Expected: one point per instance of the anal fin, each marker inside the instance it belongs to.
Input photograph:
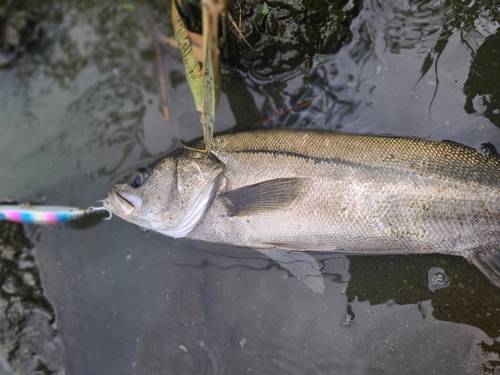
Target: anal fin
(301, 265)
(488, 262)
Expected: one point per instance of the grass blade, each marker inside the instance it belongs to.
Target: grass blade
(193, 72)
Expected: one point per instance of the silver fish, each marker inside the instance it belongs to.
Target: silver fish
(285, 192)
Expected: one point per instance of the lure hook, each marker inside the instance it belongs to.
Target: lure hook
(94, 209)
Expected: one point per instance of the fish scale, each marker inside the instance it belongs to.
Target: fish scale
(349, 165)
(446, 160)
(353, 194)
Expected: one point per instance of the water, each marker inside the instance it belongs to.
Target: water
(81, 109)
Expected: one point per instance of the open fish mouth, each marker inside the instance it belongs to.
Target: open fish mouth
(123, 204)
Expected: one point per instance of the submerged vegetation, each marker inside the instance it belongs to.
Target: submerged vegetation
(278, 37)
(281, 34)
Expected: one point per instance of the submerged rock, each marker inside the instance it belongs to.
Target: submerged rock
(29, 343)
(17, 25)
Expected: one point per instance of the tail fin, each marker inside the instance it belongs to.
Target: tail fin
(488, 262)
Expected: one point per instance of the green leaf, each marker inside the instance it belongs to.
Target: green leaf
(243, 341)
(265, 9)
(208, 111)
(183, 348)
(193, 71)
(128, 6)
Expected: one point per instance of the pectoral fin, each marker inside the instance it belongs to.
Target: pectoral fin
(301, 265)
(263, 196)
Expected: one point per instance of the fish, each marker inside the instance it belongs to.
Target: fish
(287, 193)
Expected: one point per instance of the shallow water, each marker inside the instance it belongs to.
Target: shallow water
(80, 110)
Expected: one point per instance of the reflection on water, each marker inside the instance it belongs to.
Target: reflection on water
(482, 88)
(427, 26)
(108, 36)
(82, 106)
(95, 64)
(469, 297)
(108, 113)
(334, 93)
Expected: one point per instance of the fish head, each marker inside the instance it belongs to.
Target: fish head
(171, 196)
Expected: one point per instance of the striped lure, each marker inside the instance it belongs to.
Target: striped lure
(28, 214)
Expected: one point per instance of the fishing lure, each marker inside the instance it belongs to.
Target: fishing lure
(28, 214)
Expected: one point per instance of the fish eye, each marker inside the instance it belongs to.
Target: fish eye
(139, 177)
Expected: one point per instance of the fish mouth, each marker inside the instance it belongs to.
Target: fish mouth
(122, 203)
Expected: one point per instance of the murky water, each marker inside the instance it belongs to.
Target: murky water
(80, 110)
